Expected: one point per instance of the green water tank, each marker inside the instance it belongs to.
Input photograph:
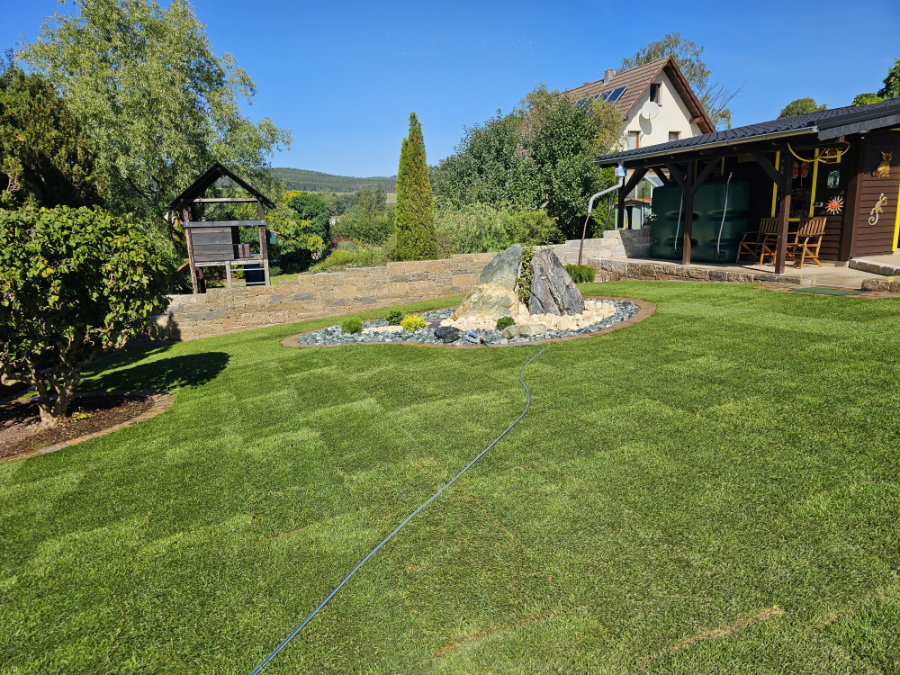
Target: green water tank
(666, 205)
(720, 220)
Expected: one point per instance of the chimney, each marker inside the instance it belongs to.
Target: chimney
(608, 75)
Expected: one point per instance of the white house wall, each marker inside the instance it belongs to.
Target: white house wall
(673, 116)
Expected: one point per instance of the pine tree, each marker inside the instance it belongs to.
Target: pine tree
(414, 214)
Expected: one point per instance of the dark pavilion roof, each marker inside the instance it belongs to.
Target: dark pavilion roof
(825, 125)
(210, 176)
(637, 81)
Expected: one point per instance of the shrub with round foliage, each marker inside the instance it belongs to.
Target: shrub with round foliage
(505, 322)
(413, 322)
(351, 326)
(394, 317)
(73, 283)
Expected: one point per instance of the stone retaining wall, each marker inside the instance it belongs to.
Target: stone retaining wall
(314, 296)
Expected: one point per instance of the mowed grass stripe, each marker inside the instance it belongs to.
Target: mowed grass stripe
(732, 453)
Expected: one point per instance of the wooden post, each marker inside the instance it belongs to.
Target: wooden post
(263, 241)
(228, 272)
(190, 248)
(784, 216)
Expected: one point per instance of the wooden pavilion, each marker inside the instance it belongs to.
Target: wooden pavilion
(216, 243)
(842, 165)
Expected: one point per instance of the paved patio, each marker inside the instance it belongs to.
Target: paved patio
(829, 275)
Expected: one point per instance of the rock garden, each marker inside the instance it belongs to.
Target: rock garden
(522, 295)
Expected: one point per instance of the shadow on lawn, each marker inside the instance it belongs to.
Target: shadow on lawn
(167, 374)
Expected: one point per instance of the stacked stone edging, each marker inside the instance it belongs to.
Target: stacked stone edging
(314, 296)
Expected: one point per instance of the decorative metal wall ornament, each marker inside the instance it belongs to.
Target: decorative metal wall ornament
(828, 155)
(883, 170)
(878, 209)
(835, 206)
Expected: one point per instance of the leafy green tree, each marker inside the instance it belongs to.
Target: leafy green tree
(414, 214)
(866, 99)
(801, 106)
(158, 104)
(369, 221)
(73, 282)
(891, 88)
(312, 207)
(714, 97)
(540, 156)
(44, 157)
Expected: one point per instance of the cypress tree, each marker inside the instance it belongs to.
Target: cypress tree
(414, 213)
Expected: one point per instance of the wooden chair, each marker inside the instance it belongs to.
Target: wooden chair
(754, 243)
(807, 241)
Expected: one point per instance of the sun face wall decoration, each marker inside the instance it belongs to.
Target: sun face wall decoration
(835, 206)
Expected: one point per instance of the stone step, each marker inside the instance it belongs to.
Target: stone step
(888, 266)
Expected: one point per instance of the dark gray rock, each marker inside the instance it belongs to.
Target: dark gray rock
(447, 333)
(503, 270)
(552, 289)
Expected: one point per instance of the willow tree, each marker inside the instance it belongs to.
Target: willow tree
(158, 105)
(414, 213)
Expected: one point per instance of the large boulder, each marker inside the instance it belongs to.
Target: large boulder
(552, 289)
(495, 294)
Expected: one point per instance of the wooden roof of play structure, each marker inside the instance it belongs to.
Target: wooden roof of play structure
(216, 243)
(194, 192)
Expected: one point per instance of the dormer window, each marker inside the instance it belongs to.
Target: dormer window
(654, 92)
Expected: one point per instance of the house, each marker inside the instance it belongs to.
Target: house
(656, 102)
(841, 166)
(657, 106)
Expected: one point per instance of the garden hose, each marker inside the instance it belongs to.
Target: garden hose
(412, 515)
(724, 213)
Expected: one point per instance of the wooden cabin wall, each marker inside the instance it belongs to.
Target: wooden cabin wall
(875, 239)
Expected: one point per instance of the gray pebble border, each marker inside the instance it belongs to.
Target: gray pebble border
(334, 335)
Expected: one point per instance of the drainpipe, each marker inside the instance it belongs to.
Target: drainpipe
(620, 175)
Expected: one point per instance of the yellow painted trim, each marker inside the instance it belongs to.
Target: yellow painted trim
(897, 220)
(775, 183)
(812, 194)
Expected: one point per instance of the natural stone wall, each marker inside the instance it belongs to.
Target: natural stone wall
(313, 296)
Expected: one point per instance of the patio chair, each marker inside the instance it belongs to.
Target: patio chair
(807, 241)
(754, 243)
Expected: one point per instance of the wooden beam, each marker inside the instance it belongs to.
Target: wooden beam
(190, 250)
(225, 223)
(263, 240)
(768, 167)
(636, 177)
(658, 171)
(223, 200)
(704, 174)
(677, 176)
(784, 217)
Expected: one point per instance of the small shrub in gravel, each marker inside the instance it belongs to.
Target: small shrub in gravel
(394, 317)
(352, 326)
(581, 274)
(505, 322)
(413, 322)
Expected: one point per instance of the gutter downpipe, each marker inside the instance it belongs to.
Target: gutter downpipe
(620, 174)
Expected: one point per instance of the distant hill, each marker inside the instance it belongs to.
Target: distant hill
(311, 181)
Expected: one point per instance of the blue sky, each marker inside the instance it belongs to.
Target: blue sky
(344, 76)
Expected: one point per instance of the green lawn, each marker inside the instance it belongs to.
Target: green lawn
(715, 488)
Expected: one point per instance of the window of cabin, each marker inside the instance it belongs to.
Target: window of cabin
(633, 137)
(674, 135)
(654, 92)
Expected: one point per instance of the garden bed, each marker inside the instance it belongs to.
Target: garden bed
(20, 424)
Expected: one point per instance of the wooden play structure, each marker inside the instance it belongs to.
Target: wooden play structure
(216, 243)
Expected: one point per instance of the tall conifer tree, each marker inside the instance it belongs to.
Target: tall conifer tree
(414, 214)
